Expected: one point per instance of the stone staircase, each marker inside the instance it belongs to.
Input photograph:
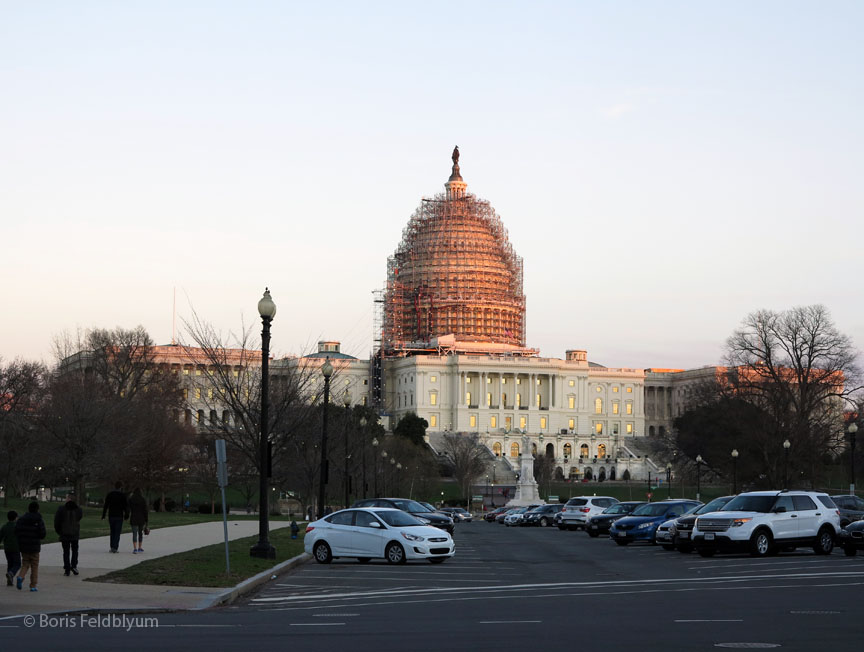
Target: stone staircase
(499, 469)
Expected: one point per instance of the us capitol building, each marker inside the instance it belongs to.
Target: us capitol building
(450, 347)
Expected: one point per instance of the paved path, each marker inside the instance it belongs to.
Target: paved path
(59, 593)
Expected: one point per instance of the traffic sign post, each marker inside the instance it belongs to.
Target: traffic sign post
(222, 479)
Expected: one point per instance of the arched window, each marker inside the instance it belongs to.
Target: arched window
(514, 449)
(650, 431)
(496, 448)
(588, 474)
(550, 450)
(583, 450)
(598, 406)
(568, 450)
(612, 473)
(601, 477)
(574, 473)
(534, 449)
(601, 451)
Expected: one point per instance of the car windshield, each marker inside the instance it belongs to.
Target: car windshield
(651, 509)
(714, 506)
(410, 506)
(620, 508)
(429, 507)
(750, 504)
(398, 519)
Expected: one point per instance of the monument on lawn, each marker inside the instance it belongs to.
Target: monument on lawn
(526, 485)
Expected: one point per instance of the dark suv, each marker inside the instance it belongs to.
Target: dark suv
(412, 507)
(851, 508)
(683, 528)
(542, 515)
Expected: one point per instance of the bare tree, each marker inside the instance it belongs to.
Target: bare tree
(21, 385)
(466, 457)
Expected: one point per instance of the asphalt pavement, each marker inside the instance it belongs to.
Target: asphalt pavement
(517, 589)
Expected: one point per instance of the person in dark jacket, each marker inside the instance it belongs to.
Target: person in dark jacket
(67, 525)
(10, 547)
(30, 530)
(117, 507)
(138, 520)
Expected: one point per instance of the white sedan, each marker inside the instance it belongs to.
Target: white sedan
(376, 532)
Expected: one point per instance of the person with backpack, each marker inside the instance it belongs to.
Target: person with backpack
(30, 530)
(67, 525)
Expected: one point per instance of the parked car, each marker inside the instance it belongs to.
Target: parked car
(515, 516)
(760, 522)
(372, 533)
(851, 538)
(579, 509)
(414, 508)
(542, 515)
(500, 518)
(493, 514)
(682, 530)
(458, 514)
(851, 508)
(601, 523)
(665, 535)
(642, 524)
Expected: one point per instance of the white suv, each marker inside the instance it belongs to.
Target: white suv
(760, 522)
(578, 510)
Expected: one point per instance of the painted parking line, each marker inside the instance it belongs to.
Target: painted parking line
(506, 622)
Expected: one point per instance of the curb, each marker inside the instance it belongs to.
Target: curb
(230, 595)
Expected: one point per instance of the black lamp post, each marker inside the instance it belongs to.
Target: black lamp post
(375, 462)
(669, 478)
(384, 472)
(734, 470)
(347, 403)
(263, 549)
(786, 446)
(363, 451)
(853, 428)
(698, 476)
(326, 371)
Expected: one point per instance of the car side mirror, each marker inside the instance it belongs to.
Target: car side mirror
(779, 510)
(375, 524)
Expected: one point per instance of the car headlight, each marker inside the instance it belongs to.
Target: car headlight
(738, 522)
(644, 526)
(424, 520)
(412, 537)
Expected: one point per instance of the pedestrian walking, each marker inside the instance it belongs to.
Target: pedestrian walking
(117, 507)
(10, 546)
(138, 520)
(30, 530)
(67, 525)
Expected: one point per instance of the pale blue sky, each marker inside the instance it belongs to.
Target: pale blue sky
(664, 168)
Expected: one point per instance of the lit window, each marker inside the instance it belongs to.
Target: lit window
(197, 372)
(185, 393)
(598, 428)
(185, 372)
(614, 407)
(433, 379)
(197, 392)
(489, 398)
(518, 381)
(523, 423)
(615, 389)
(364, 401)
(543, 423)
(488, 380)
(236, 374)
(472, 421)
(518, 399)
(514, 449)
(538, 382)
(597, 389)
(571, 424)
(209, 393)
(629, 390)
(503, 381)
(571, 402)
(572, 383)
(433, 420)
(629, 407)
(598, 406)
(468, 398)
(493, 422)
(468, 380)
(433, 398)
(629, 428)
(538, 400)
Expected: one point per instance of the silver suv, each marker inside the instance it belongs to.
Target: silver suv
(760, 522)
(577, 511)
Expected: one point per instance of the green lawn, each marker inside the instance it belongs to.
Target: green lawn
(92, 524)
(206, 566)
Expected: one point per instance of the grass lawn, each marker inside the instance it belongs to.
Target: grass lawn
(92, 524)
(206, 566)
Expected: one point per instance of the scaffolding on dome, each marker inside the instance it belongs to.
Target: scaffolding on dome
(454, 278)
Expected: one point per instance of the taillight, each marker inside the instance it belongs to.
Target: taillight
(585, 509)
(309, 528)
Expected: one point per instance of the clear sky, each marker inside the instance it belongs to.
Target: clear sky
(663, 168)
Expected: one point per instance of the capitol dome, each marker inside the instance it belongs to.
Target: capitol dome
(454, 275)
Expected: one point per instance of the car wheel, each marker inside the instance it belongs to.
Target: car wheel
(322, 553)
(824, 542)
(761, 544)
(544, 522)
(363, 560)
(850, 551)
(437, 560)
(668, 546)
(395, 553)
(593, 534)
(707, 552)
(621, 542)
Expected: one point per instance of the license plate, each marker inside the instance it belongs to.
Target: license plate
(709, 536)
(683, 535)
(592, 527)
(622, 534)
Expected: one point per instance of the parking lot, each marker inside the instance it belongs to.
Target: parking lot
(518, 584)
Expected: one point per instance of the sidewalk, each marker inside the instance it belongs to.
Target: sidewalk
(60, 593)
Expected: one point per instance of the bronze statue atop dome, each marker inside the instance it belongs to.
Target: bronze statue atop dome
(456, 155)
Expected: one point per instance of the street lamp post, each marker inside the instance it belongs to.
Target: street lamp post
(786, 446)
(347, 403)
(734, 470)
(263, 549)
(853, 428)
(326, 371)
(384, 472)
(375, 460)
(698, 476)
(363, 452)
(669, 478)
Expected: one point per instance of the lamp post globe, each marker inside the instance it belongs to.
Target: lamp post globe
(263, 549)
(734, 470)
(326, 371)
(852, 430)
